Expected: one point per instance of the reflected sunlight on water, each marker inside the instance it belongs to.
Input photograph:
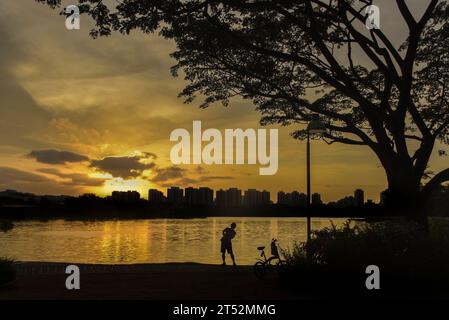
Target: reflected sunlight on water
(150, 240)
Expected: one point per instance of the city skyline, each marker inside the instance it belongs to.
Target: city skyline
(272, 197)
(237, 197)
(231, 197)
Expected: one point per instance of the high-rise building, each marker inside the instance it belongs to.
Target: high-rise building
(264, 197)
(205, 196)
(175, 195)
(254, 198)
(155, 196)
(292, 199)
(250, 198)
(282, 198)
(359, 198)
(316, 199)
(288, 199)
(234, 197)
(229, 198)
(220, 198)
(191, 196)
(302, 199)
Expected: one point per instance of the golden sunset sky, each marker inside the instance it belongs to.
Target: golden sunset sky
(81, 115)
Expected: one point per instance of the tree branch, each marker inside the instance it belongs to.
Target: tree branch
(436, 181)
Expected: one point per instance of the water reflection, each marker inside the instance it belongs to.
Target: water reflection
(149, 241)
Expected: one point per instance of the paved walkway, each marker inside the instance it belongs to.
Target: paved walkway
(143, 281)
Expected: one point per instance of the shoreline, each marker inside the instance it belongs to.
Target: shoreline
(185, 212)
(182, 217)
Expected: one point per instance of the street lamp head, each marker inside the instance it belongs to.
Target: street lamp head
(316, 126)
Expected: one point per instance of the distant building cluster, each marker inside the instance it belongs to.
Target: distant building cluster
(254, 198)
(155, 196)
(229, 198)
(316, 199)
(234, 197)
(292, 199)
(204, 196)
(355, 201)
(201, 197)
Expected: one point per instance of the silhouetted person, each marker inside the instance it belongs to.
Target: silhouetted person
(274, 249)
(226, 243)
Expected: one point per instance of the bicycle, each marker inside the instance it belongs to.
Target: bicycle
(266, 265)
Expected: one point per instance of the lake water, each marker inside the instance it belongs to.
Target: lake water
(149, 241)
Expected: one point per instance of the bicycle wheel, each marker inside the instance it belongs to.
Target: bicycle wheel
(259, 269)
(280, 265)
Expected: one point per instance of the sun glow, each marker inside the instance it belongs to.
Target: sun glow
(120, 184)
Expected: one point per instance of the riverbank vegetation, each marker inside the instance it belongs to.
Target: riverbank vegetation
(412, 262)
(7, 270)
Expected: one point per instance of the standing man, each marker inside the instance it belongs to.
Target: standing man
(226, 243)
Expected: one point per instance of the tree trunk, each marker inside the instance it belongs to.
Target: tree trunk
(404, 197)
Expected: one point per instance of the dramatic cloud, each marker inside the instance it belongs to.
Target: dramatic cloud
(174, 175)
(21, 117)
(124, 167)
(10, 176)
(56, 156)
(169, 173)
(74, 179)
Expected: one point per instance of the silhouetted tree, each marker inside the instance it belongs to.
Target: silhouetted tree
(297, 59)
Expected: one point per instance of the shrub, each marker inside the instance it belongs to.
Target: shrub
(410, 260)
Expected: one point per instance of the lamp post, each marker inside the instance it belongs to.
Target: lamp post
(315, 126)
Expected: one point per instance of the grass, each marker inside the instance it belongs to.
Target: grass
(411, 261)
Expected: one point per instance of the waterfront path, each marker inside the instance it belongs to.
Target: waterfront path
(38, 280)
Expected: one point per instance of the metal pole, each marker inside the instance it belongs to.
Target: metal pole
(308, 197)
(308, 186)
